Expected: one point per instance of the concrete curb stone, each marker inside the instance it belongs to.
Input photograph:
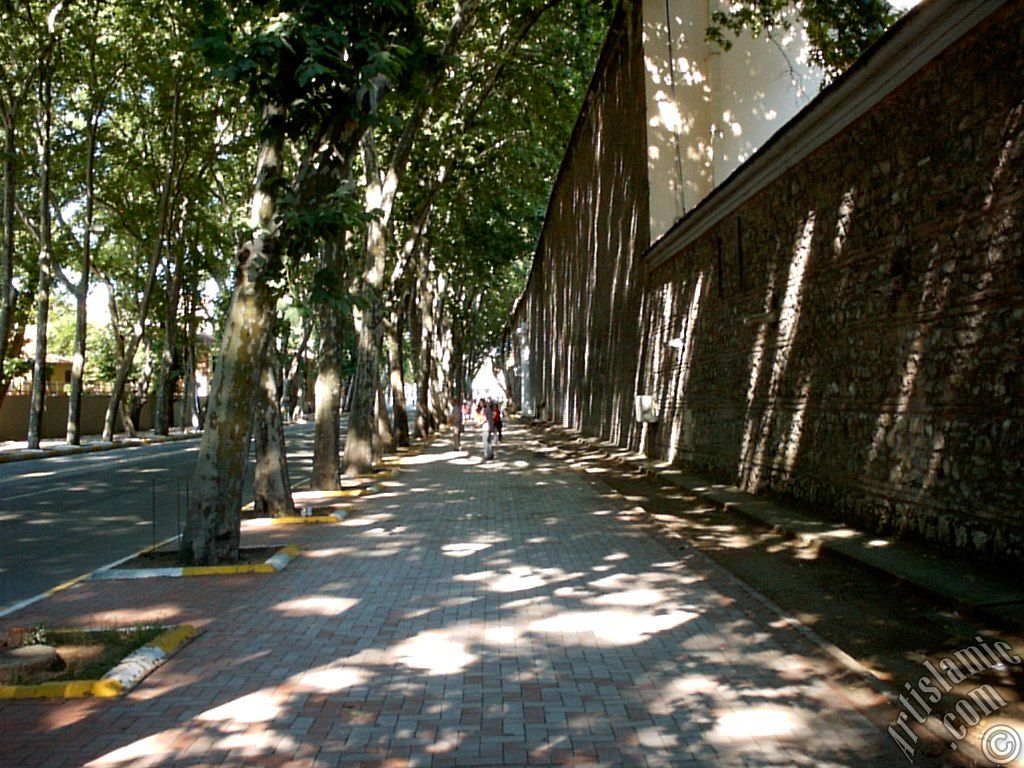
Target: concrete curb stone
(28, 454)
(274, 564)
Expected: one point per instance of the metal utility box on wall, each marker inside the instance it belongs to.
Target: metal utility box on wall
(646, 409)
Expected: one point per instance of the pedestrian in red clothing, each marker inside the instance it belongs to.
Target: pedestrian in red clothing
(497, 419)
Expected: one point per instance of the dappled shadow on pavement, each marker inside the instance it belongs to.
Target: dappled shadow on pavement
(890, 626)
(499, 613)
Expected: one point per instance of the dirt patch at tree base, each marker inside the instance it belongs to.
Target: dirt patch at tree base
(79, 654)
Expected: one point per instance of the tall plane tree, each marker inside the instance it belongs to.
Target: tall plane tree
(309, 69)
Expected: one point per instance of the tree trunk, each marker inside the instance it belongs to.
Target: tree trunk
(125, 364)
(126, 418)
(442, 355)
(115, 327)
(458, 375)
(73, 435)
(293, 390)
(380, 194)
(400, 417)
(510, 373)
(387, 436)
(298, 395)
(416, 357)
(362, 427)
(213, 525)
(165, 383)
(125, 360)
(438, 400)
(284, 373)
(212, 529)
(327, 390)
(272, 487)
(327, 414)
(7, 291)
(425, 308)
(424, 421)
(74, 426)
(188, 388)
(38, 398)
(35, 413)
(189, 402)
(298, 375)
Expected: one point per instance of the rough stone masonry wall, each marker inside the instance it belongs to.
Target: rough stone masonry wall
(581, 307)
(852, 336)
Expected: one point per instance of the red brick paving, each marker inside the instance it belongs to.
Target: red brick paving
(511, 613)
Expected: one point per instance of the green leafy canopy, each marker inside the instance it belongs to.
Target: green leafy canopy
(839, 31)
(317, 60)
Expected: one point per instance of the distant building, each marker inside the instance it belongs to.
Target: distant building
(58, 369)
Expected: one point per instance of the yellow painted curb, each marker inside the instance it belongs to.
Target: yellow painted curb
(222, 570)
(289, 551)
(68, 689)
(325, 495)
(351, 492)
(171, 640)
(276, 562)
(106, 688)
(298, 520)
(67, 584)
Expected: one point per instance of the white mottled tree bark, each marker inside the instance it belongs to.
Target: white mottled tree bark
(327, 388)
(387, 435)
(272, 487)
(212, 528)
(400, 417)
(362, 427)
(38, 399)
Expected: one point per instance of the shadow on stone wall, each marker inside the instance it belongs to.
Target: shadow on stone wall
(850, 336)
(581, 308)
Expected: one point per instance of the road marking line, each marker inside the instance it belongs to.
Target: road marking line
(79, 579)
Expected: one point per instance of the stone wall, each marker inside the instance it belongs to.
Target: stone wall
(850, 336)
(580, 309)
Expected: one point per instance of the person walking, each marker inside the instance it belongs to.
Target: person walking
(455, 422)
(497, 420)
(485, 415)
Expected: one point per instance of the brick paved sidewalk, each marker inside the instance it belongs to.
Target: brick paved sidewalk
(508, 613)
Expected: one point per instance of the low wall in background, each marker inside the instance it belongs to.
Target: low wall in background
(14, 416)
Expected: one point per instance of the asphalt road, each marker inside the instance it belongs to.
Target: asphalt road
(64, 516)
